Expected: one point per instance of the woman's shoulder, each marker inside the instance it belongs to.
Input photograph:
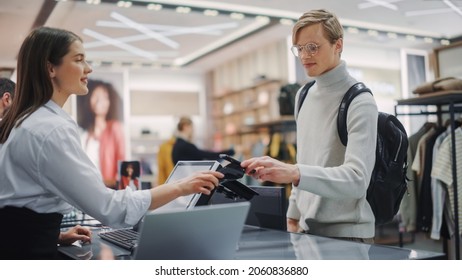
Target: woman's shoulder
(42, 121)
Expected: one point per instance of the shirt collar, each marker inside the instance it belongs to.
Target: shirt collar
(55, 108)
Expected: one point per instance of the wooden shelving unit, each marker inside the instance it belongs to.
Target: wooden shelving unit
(242, 117)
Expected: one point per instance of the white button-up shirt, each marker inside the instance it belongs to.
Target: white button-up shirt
(44, 168)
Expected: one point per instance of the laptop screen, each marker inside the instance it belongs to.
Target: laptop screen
(181, 170)
(201, 233)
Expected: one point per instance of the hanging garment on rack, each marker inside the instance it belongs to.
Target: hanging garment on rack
(419, 159)
(442, 226)
(425, 202)
(408, 208)
(439, 192)
(442, 168)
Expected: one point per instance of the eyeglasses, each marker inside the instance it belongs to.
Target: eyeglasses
(310, 48)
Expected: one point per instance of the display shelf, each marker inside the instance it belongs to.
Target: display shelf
(241, 115)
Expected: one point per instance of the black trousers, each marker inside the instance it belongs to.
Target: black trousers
(28, 235)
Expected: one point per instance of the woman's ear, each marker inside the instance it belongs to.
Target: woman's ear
(51, 70)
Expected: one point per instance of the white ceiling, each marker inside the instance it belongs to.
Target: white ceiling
(141, 37)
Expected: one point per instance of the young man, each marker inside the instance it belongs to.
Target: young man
(7, 87)
(329, 181)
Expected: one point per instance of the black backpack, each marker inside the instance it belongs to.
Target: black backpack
(388, 182)
(286, 99)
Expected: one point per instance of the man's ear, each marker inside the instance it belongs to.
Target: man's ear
(339, 45)
(7, 98)
(2, 100)
(51, 70)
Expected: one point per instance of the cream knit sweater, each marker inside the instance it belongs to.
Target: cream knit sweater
(330, 199)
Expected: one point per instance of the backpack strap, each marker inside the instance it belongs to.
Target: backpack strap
(303, 94)
(354, 91)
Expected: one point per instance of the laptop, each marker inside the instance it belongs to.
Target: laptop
(200, 233)
(181, 170)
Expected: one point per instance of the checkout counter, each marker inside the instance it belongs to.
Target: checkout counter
(264, 236)
(270, 244)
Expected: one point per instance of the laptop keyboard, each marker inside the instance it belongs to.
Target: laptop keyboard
(126, 238)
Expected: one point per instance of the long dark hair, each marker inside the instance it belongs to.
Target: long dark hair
(34, 87)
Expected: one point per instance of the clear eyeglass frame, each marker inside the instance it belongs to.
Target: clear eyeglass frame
(311, 49)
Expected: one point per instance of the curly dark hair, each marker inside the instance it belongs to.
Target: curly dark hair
(86, 116)
(134, 164)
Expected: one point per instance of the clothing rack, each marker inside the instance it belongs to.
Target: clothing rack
(439, 99)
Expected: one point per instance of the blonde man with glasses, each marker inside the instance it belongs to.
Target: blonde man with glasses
(329, 180)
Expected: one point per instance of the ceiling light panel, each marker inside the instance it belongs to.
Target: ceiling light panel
(134, 35)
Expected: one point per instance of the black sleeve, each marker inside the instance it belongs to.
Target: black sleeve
(183, 150)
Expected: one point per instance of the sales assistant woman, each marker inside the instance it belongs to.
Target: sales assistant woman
(43, 170)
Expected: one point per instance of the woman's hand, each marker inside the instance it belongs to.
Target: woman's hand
(200, 182)
(74, 234)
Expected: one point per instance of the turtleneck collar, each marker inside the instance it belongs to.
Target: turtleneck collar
(337, 76)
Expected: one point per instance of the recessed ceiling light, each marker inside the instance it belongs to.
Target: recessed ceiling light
(372, 32)
(95, 63)
(237, 15)
(262, 18)
(183, 10)
(155, 7)
(353, 30)
(428, 40)
(124, 4)
(286, 21)
(392, 35)
(211, 13)
(410, 37)
(445, 42)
